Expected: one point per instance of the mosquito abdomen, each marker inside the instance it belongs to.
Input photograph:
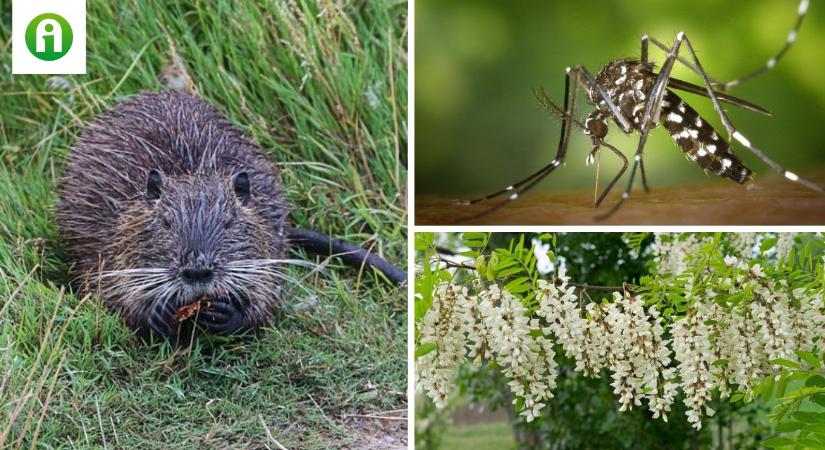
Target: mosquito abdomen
(700, 142)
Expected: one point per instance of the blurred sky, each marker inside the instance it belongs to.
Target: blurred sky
(478, 126)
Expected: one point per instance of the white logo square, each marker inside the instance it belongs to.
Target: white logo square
(48, 37)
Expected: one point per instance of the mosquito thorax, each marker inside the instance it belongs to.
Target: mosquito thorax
(627, 82)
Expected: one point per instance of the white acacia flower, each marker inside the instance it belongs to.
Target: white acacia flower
(445, 325)
(638, 356)
(692, 347)
(757, 271)
(528, 361)
(543, 263)
(784, 244)
(560, 308)
(673, 256)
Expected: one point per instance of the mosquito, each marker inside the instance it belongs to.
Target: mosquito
(633, 96)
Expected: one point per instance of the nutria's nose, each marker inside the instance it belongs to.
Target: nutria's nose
(193, 276)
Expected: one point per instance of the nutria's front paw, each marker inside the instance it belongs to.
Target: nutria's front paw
(162, 319)
(222, 317)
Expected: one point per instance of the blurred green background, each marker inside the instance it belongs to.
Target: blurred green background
(478, 126)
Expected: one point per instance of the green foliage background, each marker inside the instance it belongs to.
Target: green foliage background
(478, 126)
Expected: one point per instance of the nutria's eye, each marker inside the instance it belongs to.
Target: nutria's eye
(153, 185)
(241, 185)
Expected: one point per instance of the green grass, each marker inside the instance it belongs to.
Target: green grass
(322, 88)
(484, 436)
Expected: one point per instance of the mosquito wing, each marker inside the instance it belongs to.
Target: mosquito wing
(692, 88)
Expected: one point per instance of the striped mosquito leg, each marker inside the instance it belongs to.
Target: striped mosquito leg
(801, 10)
(734, 133)
(643, 59)
(644, 176)
(626, 194)
(515, 190)
(775, 166)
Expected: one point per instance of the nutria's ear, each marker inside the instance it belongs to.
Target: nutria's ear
(153, 185)
(241, 185)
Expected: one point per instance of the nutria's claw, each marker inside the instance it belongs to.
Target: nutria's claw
(222, 317)
(162, 319)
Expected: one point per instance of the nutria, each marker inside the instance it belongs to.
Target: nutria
(165, 204)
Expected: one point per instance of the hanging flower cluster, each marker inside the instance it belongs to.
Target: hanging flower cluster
(692, 346)
(723, 342)
(528, 361)
(637, 356)
(446, 326)
(491, 327)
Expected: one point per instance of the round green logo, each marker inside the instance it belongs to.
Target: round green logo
(49, 37)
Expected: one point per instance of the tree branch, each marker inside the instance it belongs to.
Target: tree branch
(454, 264)
(585, 286)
